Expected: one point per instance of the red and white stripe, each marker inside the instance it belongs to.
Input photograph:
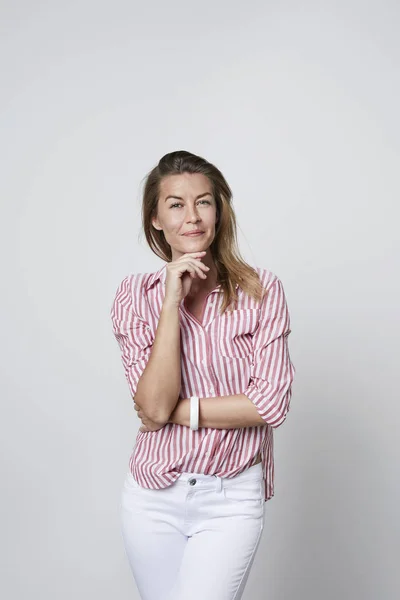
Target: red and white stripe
(240, 352)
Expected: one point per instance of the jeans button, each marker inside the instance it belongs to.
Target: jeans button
(192, 481)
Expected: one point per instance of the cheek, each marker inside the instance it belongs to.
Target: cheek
(211, 219)
(172, 223)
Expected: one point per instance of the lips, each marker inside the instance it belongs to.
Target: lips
(190, 233)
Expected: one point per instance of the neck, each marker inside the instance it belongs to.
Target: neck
(200, 286)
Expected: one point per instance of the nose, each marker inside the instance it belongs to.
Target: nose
(193, 216)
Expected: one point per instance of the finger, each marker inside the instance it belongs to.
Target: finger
(197, 263)
(200, 253)
(197, 268)
(190, 265)
(199, 272)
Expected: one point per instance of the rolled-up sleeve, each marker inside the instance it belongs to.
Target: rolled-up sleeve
(132, 333)
(272, 372)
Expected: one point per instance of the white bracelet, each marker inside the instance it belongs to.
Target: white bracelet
(194, 412)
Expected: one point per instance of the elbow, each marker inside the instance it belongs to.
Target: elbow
(153, 415)
(278, 417)
(145, 406)
(151, 408)
(275, 423)
(276, 412)
(161, 418)
(272, 403)
(158, 417)
(275, 420)
(153, 396)
(161, 412)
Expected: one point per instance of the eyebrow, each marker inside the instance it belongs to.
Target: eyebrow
(197, 197)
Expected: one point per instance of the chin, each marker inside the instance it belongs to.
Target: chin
(198, 240)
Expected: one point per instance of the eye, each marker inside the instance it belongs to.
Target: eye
(180, 204)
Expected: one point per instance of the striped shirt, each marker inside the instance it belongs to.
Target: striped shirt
(240, 352)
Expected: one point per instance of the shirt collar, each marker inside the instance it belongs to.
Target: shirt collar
(158, 275)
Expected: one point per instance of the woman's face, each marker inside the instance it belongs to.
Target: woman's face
(186, 203)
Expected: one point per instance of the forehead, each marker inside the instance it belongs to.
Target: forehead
(185, 184)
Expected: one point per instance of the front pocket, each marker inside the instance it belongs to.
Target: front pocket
(245, 491)
(236, 329)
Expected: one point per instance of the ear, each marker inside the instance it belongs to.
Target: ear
(156, 224)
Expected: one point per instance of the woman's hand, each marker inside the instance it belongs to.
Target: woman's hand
(147, 424)
(181, 273)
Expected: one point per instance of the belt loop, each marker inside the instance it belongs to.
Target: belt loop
(218, 484)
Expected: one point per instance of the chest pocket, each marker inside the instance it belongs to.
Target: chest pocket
(235, 332)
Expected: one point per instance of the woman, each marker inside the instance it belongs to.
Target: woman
(204, 344)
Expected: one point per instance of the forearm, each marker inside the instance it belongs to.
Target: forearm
(224, 412)
(159, 386)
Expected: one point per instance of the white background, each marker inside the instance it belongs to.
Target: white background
(298, 104)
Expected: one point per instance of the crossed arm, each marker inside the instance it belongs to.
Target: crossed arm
(221, 412)
(266, 399)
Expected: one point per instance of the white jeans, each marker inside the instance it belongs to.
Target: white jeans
(195, 539)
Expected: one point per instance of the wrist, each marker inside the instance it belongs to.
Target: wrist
(169, 306)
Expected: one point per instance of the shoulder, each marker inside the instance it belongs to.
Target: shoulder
(267, 277)
(134, 282)
(132, 290)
